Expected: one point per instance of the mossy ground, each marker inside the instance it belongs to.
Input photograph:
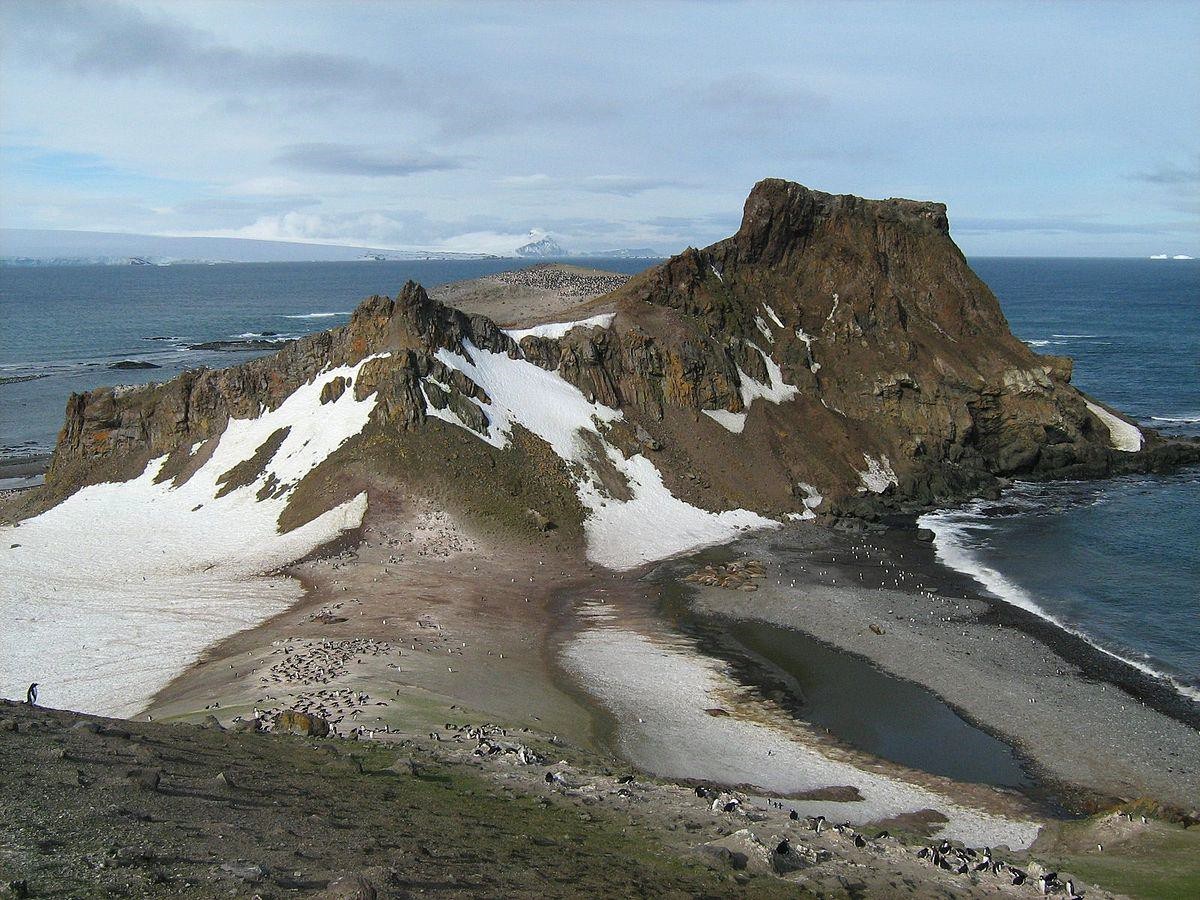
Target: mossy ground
(80, 821)
(1159, 860)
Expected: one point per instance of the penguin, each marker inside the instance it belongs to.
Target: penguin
(793, 815)
(31, 694)
(784, 846)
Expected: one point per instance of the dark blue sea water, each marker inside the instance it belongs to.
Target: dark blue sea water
(1117, 561)
(64, 325)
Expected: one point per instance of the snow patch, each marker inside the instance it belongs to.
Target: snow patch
(735, 422)
(1122, 435)
(659, 694)
(878, 476)
(762, 326)
(812, 499)
(777, 391)
(836, 300)
(771, 313)
(560, 329)
(813, 365)
(653, 524)
(109, 595)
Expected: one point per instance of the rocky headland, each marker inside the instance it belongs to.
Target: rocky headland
(407, 539)
(834, 347)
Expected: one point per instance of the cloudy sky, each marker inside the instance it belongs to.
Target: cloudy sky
(1048, 129)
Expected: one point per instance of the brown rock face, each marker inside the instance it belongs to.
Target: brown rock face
(291, 721)
(860, 317)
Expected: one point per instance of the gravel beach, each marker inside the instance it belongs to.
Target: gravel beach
(1044, 692)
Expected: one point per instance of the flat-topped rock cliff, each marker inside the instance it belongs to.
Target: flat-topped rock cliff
(835, 354)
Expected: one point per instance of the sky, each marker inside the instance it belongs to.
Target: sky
(1049, 129)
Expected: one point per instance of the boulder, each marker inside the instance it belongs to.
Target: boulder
(292, 721)
(333, 389)
(741, 851)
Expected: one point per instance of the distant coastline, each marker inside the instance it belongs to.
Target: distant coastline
(51, 247)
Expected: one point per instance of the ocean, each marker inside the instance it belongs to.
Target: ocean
(63, 326)
(1117, 561)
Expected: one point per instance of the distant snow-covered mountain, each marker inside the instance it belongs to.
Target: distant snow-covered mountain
(43, 247)
(543, 248)
(634, 253)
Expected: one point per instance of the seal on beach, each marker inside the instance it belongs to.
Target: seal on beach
(31, 694)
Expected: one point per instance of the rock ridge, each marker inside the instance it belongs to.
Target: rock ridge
(833, 347)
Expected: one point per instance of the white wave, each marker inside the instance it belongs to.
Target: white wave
(952, 529)
(1075, 335)
(317, 315)
(1177, 420)
(1044, 343)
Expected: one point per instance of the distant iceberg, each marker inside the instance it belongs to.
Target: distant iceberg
(1160, 256)
(1181, 256)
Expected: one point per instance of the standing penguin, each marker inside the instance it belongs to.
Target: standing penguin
(31, 695)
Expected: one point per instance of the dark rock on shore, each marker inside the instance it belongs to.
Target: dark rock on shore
(238, 345)
(134, 364)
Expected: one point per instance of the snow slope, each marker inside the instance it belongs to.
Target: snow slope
(1122, 435)
(653, 524)
(109, 595)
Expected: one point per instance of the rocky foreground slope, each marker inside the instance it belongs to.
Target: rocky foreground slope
(836, 354)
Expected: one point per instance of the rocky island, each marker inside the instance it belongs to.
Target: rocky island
(436, 542)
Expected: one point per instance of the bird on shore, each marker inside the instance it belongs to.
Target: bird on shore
(31, 694)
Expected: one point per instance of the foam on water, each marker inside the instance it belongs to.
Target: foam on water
(962, 536)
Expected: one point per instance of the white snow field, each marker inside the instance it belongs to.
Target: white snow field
(1122, 435)
(654, 524)
(109, 595)
(659, 692)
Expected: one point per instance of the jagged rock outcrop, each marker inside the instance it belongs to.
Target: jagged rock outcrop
(834, 348)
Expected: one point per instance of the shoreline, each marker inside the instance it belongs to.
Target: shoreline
(1067, 677)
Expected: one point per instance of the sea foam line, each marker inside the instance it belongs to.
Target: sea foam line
(949, 528)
